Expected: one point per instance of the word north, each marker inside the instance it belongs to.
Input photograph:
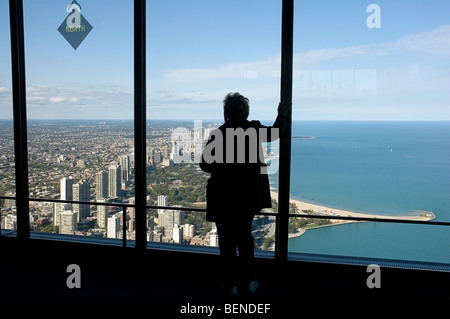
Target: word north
(197, 309)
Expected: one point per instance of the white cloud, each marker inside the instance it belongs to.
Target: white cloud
(75, 103)
(350, 77)
(436, 42)
(57, 99)
(243, 70)
(198, 92)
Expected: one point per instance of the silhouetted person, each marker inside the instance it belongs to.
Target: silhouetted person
(239, 186)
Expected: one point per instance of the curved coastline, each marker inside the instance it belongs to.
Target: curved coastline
(324, 211)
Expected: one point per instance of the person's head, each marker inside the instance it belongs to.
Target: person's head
(235, 107)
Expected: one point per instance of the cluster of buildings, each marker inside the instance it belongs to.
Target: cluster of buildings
(168, 226)
(72, 153)
(171, 227)
(108, 188)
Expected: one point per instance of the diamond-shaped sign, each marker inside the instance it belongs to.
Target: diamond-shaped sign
(75, 27)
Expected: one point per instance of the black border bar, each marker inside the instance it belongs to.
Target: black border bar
(287, 31)
(19, 117)
(140, 117)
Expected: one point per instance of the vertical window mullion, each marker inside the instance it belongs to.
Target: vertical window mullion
(19, 117)
(140, 120)
(281, 243)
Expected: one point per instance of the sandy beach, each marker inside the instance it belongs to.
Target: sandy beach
(415, 215)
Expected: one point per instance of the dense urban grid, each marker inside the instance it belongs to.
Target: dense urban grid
(93, 161)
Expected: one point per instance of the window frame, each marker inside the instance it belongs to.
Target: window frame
(20, 133)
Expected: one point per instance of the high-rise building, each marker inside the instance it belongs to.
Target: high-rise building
(175, 150)
(124, 175)
(177, 234)
(125, 165)
(172, 219)
(57, 209)
(165, 151)
(161, 217)
(130, 210)
(102, 213)
(81, 192)
(9, 222)
(131, 156)
(213, 238)
(162, 200)
(151, 223)
(101, 187)
(131, 225)
(113, 227)
(157, 157)
(10, 202)
(66, 185)
(188, 231)
(68, 222)
(114, 182)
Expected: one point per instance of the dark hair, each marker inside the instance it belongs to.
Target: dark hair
(235, 107)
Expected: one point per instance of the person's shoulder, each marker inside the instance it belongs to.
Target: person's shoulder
(255, 123)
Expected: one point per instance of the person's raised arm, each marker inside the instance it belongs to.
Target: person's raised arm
(284, 108)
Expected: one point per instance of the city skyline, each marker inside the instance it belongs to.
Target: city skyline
(82, 149)
(343, 70)
(74, 162)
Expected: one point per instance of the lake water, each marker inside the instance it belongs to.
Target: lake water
(386, 168)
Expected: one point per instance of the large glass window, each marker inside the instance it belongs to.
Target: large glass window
(197, 52)
(370, 130)
(80, 115)
(7, 173)
(371, 127)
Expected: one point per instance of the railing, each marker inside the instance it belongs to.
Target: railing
(123, 206)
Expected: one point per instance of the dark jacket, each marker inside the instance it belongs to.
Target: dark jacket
(240, 185)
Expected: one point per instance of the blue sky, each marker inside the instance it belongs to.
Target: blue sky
(197, 51)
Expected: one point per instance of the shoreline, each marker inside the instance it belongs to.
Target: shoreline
(325, 210)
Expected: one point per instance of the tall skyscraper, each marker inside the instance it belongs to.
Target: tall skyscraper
(81, 192)
(125, 164)
(66, 185)
(124, 175)
(113, 227)
(68, 223)
(114, 182)
(101, 186)
(130, 210)
(161, 217)
(102, 213)
(177, 234)
(131, 225)
(151, 223)
(172, 219)
(188, 231)
(162, 201)
(58, 208)
(175, 150)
